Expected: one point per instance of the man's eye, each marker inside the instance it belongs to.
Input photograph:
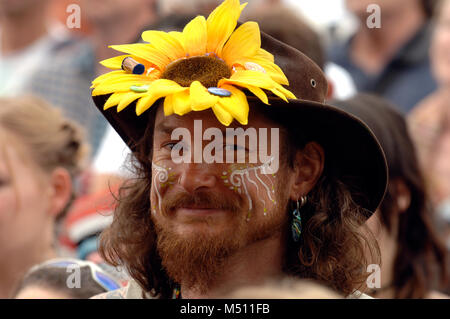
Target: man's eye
(173, 146)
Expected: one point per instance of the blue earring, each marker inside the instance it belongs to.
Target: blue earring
(297, 220)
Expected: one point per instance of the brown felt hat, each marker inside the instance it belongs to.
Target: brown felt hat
(352, 152)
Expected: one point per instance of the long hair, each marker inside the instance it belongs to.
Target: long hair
(421, 256)
(333, 248)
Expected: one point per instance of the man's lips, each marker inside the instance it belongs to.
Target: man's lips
(199, 211)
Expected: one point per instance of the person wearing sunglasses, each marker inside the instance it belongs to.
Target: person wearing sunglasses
(41, 155)
(63, 278)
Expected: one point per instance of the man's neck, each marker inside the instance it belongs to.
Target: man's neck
(252, 265)
(21, 31)
(372, 49)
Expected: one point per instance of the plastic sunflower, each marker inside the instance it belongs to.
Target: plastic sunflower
(205, 66)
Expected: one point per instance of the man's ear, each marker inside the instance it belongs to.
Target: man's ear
(403, 195)
(308, 167)
(330, 92)
(61, 190)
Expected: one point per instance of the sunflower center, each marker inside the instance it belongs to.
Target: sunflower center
(207, 70)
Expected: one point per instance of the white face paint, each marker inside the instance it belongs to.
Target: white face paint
(161, 179)
(239, 177)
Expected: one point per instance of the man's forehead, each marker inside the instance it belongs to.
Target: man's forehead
(166, 124)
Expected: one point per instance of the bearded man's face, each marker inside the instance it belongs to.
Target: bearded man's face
(206, 211)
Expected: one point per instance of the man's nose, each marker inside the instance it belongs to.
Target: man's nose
(197, 176)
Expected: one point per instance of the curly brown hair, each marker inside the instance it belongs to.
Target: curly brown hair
(333, 248)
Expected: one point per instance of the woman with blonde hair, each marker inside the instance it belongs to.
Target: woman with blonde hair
(40, 154)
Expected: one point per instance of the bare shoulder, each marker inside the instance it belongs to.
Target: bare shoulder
(115, 294)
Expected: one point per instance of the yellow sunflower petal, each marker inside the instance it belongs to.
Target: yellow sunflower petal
(127, 77)
(221, 23)
(127, 99)
(222, 115)
(200, 98)
(265, 55)
(114, 63)
(181, 103)
(286, 92)
(245, 41)
(157, 89)
(195, 36)
(113, 100)
(249, 79)
(144, 104)
(277, 74)
(236, 104)
(259, 93)
(120, 83)
(106, 76)
(273, 70)
(253, 78)
(168, 105)
(279, 94)
(107, 89)
(166, 43)
(180, 37)
(144, 51)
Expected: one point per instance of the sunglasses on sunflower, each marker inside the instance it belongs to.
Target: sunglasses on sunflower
(97, 274)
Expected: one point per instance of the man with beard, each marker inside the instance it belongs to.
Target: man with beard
(211, 209)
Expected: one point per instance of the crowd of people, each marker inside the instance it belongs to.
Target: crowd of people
(88, 180)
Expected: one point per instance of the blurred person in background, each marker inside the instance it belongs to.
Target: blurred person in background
(112, 21)
(55, 279)
(179, 7)
(413, 257)
(430, 120)
(116, 21)
(39, 56)
(41, 152)
(92, 210)
(283, 24)
(393, 60)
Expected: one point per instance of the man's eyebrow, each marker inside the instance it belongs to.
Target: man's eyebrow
(163, 127)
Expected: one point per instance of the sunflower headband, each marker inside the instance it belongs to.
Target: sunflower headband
(205, 66)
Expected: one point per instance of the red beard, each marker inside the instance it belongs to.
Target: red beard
(197, 260)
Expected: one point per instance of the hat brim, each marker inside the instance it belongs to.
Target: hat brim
(353, 154)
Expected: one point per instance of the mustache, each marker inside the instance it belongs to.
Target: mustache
(203, 199)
